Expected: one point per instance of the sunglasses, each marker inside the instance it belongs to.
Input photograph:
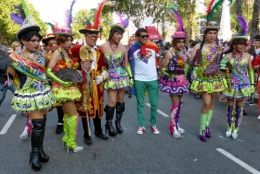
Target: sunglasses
(144, 36)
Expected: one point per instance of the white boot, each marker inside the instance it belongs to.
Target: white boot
(24, 135)
(180, 130)
(228, 132)
(235, 134)
(176, 134)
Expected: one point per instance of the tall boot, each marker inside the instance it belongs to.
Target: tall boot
(109, 117)
(35, 143)
(229, 120)
(87, 138)
(180, 130)
(43, 156)
(72, 132)
(173, 121)
(203, 125)
(98, 129)
(120, 108)
(60, 120)
(66, 131)
(237, 122)
(207, 131)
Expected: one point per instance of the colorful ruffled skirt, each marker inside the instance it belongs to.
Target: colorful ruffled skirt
(179, 85)
(238, 92)
(63, 95)
(118, 79)
(34, 96)
(209, 83)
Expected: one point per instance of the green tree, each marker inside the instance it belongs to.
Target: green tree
(8, 28)
(85, 17)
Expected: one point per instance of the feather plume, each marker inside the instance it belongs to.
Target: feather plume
(215, 7)
(25, 8)
(126, 22)
(209, 7)
(16, 18)
(52, 26)
(70, 13)
(98, 14)
(242, 25)
(119, 18)
(177, 18)
(20, 11)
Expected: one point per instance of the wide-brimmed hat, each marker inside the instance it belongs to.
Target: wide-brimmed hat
(64, 31)
(49, 36)
(179, 35)
(24, 29)
(212, 25)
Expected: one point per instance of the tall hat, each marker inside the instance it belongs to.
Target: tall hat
(180, 33)
(120, 23)
(95, 27)
(66, 30)
(50, 36)
(211, 8)
(24, 19)
(242, 29)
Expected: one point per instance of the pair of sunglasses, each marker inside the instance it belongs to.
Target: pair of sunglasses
(145, 36)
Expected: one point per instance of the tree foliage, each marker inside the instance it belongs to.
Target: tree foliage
(8, 28)
(85, 17)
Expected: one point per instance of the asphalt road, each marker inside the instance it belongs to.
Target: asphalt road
(140, 154)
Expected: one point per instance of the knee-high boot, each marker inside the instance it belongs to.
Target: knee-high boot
(66, 131)
(180, 130)
(120, 108)
(109, 117)
(237, 122)
(35, 143)
(173, 121)
(72, 132)
(43, 156)
(209, 116)
(203, 125)
(229, 121)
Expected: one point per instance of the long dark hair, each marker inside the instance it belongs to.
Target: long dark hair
(27, 36)
(113, 31)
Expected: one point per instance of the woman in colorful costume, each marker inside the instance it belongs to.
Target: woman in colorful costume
(210, 80)
(33, 95)
(174, 81)
(119, 72)
(241, 86)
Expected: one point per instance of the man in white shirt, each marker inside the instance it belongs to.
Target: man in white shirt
(143, 56)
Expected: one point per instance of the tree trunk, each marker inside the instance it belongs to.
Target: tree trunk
(239, 7)
(255, 20)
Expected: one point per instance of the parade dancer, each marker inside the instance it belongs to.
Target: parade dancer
(174, 81)
(94, 73)
(144, 56)
(33, 95)
(50, 42)
(119, 76)
(210, 80)
(240, 85)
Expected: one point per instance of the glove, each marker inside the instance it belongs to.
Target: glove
(129, 72)
(170, 76)
(99, 79)
(131, 82)
(251, 75)
(53, 77)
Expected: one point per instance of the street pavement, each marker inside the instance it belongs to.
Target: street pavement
(130, 153)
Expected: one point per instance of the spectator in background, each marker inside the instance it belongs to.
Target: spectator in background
(257, 44)
(16, 46)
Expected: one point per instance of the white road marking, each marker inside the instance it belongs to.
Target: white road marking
(160, 112)
(238, 161)
(8, 124)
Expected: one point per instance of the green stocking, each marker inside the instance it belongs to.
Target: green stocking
(65, 128)
(203, 122)
(72, 131)
(210, 113)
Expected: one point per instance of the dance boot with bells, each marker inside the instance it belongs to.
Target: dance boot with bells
(87, 137)
(66, 130)
(180, 130)
(229, 121)
(72, 132)
(120, 108)
(203, 125)
(36, 137)
(27, 130)
(109, 117)
(43, 156)
(173, 120)
(237, 122)
(207, 131)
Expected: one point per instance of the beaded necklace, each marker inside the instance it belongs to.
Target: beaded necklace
(239, 58)
(113, 48)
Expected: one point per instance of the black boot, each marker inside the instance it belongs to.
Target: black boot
(120, 108)
(87, 138)
(43, 156)
(98, 130)
(60, 112)
(109, 117)
(35, 143)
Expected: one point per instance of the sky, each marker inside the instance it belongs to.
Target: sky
(55, 9)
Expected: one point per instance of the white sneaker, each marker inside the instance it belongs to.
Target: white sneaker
(140, 130)
(155, 130)
(228, 132)
(176, 134)
(180, 130)
(258, 117)
(24, 135)
(235, 134)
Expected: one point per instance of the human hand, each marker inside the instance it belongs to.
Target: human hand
(131, 82)
(99, 79)
(66, 84)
